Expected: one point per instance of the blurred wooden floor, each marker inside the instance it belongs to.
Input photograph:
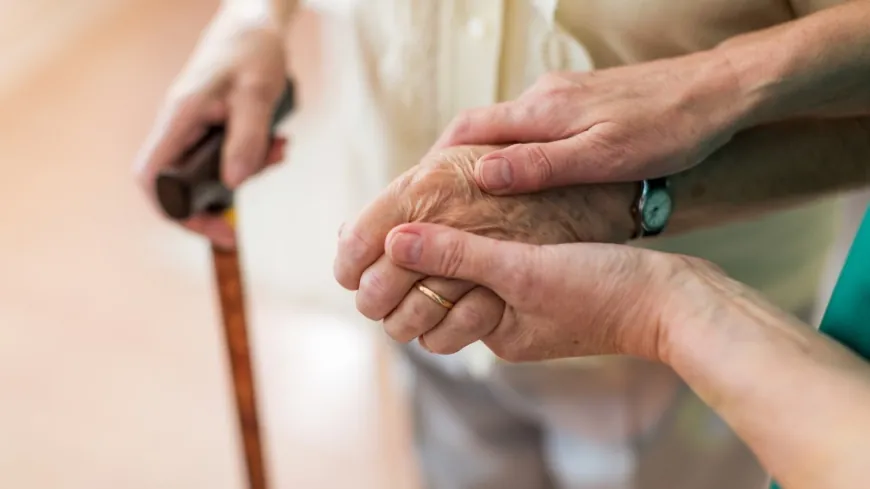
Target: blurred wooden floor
(112, 370)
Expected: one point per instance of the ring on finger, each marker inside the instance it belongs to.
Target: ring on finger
(434, 296)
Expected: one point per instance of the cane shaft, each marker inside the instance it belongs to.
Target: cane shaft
(232, 301)
(192, 187)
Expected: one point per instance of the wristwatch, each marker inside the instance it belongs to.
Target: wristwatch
(653, 207)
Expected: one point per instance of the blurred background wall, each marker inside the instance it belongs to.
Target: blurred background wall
(112, 369)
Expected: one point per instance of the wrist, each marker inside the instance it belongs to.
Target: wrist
(664, 297)
(716, 95)
(616, 202)
(754, 74)
(688, 311)
(711, 323)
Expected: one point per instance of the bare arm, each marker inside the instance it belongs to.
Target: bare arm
(813, 72)
(699, 116)
(769, 168)
(798, 399)
(815, 66)
(761, 170)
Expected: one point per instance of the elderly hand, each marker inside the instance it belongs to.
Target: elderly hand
(562, 300)
(235, 77)
(620, 124)
(441, 190)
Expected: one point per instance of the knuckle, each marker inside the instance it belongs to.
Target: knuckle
(237, 154)
(344, 272)
(401, 329)
(442, 344)
(363, 305)
(611, 148)
(470, 318)
(422, 175)
(515, 349)
(511, 354)
(452, 258)
(520, 283)
(419, 317)
(369, 298)
(462, 124)
(541, 164)
(505, 350)
(352, 244)
(257, 87)
(398, 333)
(553, 83)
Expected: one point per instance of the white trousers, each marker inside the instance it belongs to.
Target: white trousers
(629, 426)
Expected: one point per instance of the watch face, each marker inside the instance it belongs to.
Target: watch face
(657, 210)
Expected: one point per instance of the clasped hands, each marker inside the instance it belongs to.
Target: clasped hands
(464, 225)
(503, 261)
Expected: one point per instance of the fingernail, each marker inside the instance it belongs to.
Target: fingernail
(406, 247)
(496, 174)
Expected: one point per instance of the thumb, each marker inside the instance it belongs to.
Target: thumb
(442, 251)
(533, 167)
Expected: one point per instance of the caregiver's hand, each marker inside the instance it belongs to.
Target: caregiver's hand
(561, 300)
(235, 77)
(441, 190)
(620, 124)
(798, 399)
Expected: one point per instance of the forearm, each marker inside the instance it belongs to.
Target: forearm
(770, 168)
(761, 170)
(799, 400)
(815, 66)
(805, 114)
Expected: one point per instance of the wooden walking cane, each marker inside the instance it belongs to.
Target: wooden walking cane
(192, 187)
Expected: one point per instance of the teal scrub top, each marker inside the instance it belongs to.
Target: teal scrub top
(847, 317)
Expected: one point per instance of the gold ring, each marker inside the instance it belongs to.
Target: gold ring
(435, 296)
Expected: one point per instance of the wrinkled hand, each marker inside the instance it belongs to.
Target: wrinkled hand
(561, 300)
(235, 77)
(621, 124)
(441, 190)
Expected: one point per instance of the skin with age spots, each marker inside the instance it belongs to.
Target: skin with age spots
(441, 190)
